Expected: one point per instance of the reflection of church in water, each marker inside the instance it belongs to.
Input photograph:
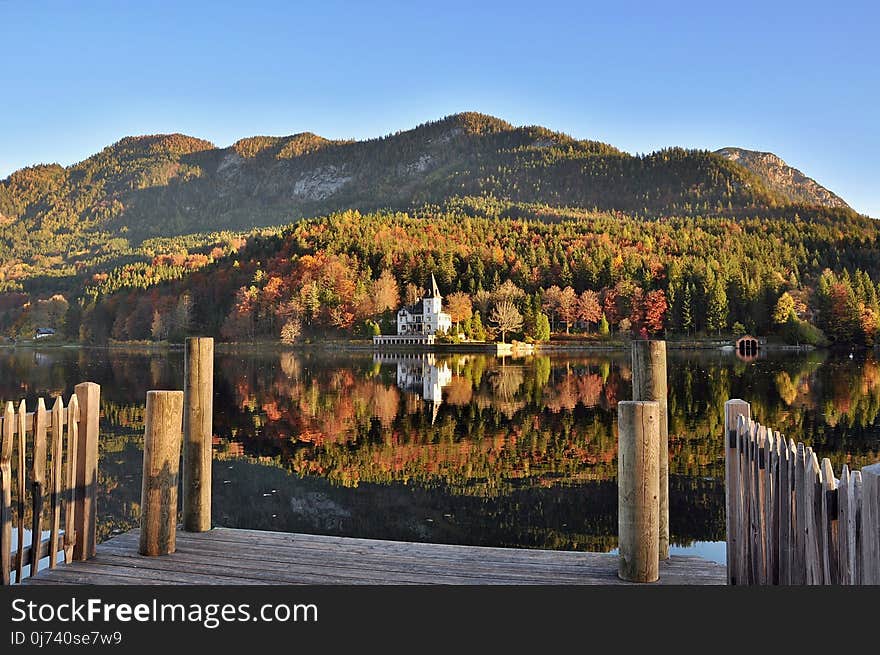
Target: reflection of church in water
(420, 374)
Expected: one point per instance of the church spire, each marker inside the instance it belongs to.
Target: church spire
(435, 290)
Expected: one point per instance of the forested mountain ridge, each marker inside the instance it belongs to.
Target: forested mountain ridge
(54, 219)
(782, 178)
(159, 236)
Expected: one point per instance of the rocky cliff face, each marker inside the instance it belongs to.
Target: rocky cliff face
(782, 178)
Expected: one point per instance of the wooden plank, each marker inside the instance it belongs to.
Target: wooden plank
(829, 525)
(799, 515)
(29, 422)
(257, 557)
(6, 494)
(812, 532)
(871, 525)
(785, 489)
(734, 412)
(84, 423)
(21, 444)
(344, 569)
(55, 498)
(30, 553)
(38, 477)
(70, 507)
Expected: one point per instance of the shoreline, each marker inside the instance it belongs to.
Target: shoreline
(358, 345)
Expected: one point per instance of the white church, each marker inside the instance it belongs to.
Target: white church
(419, 323)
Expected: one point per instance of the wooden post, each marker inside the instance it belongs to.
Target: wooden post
(197, 433)
(650, 383)
(638, 494)
(870, 564)
(733, 410)
(88, 395)
(162, 437)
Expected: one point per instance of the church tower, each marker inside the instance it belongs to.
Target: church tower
(433, 301)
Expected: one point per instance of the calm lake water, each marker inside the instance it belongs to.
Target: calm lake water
(467, 449)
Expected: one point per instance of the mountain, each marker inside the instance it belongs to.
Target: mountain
(783, 179)
(67, 221)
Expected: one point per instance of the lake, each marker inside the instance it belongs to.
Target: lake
(468, 449)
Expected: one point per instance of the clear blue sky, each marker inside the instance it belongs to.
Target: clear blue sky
(799, 79)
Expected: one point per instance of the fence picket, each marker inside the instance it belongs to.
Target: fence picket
(71, 480)
(21, 419)
(784, 511)
(734, 412)
(871, 524)
(754, 513)
(829, 524)
(812, 534)
(844, 491)
(6, 493)
(800, 517)
(856, 518)
(38, 483)
(55, 498)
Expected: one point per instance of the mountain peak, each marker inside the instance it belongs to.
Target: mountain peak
(154, 144)
(782, 178)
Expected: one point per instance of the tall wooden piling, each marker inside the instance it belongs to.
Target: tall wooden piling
(650, 383)
(162, 442)
(197, 433)
(638, 492)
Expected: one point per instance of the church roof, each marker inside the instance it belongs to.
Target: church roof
(417, 308)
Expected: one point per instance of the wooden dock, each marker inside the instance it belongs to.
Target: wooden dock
(248, 557)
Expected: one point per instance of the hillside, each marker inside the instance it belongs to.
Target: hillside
(58, 222)
(783, 179)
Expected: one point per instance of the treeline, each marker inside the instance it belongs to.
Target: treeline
(807, 280)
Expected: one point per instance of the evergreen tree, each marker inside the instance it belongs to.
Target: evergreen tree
(542, 328)
(716, 307)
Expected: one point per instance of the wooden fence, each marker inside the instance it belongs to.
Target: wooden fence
(49, 457)
(789, 519)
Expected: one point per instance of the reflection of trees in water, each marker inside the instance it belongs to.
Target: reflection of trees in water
(536, 423)
(506, 381)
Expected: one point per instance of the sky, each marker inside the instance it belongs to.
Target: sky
(801, 80)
